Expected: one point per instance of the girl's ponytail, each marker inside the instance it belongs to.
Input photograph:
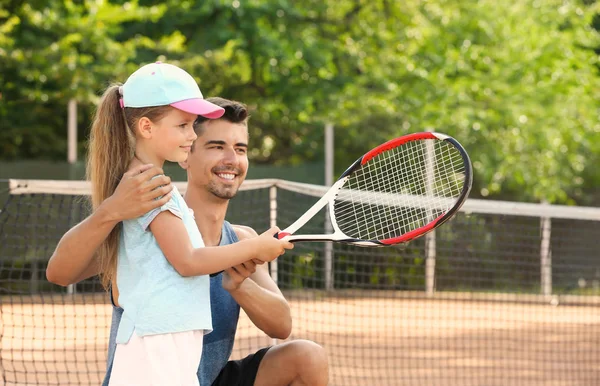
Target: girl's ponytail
(111, 148)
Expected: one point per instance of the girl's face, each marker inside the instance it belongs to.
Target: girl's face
(172, 136)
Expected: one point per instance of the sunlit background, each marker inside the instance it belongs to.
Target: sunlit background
(516, 287)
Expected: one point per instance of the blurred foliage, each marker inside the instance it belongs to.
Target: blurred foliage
(515, 82)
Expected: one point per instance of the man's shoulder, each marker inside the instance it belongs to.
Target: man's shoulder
(243, 231)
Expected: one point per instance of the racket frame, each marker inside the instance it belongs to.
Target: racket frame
(329, 198)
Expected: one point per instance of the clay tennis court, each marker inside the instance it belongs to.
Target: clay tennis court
(396, 340)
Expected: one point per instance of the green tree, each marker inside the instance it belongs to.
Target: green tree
(51, 52)
(515, 82)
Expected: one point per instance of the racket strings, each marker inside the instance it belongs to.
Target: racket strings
(400, 190)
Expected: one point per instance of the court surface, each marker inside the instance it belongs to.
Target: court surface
(369, 340)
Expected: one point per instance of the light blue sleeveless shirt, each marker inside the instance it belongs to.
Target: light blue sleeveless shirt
(155, 298)
(218, 345)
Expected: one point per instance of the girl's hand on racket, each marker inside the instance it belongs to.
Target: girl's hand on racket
(269, 247)
(138, 193)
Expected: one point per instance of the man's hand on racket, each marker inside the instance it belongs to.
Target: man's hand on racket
(268, 248)
(234, 277)
(138, 193)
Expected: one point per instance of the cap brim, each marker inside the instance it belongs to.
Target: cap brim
(200, 107)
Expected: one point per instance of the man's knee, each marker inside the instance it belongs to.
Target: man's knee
(298, 362)
(308, 348)
(311, 358)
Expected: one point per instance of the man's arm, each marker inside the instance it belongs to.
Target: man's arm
(137, 193)
(260, 297)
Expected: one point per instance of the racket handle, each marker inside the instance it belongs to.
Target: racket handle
(278, 235)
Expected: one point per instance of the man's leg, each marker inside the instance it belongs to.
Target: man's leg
(295, 363)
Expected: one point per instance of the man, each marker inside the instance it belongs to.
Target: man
(216, 168)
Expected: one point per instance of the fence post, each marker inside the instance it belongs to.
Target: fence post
(72, 131)
(430, 244)
(430, 263)
(546, 256)
(72, 152)
(273, 222)
(328, 253)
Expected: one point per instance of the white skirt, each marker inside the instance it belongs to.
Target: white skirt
(158, 360)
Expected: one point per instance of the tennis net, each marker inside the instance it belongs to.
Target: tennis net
(506, 293)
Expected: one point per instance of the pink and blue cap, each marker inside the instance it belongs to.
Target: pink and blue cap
(162, 84)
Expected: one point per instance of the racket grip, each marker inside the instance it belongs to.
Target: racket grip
(278, 235)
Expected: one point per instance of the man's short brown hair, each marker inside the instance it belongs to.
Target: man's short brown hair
(235, 112)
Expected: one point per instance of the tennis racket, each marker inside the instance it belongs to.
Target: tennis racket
(395, 193)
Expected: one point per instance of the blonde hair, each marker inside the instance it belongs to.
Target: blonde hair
(110, 151)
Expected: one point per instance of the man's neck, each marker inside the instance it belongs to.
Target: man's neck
(209, 212)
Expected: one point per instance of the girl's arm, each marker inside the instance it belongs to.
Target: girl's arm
(174, 241)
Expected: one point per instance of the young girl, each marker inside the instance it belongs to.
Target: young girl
(157, 264)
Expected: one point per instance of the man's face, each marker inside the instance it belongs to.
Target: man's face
(219, 161)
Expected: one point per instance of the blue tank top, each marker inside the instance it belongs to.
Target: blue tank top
(219, 343)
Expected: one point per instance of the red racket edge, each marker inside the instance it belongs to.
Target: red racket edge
(390, 145)
(395, 143)
(446, 216)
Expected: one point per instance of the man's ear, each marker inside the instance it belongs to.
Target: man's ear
(144, 128)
